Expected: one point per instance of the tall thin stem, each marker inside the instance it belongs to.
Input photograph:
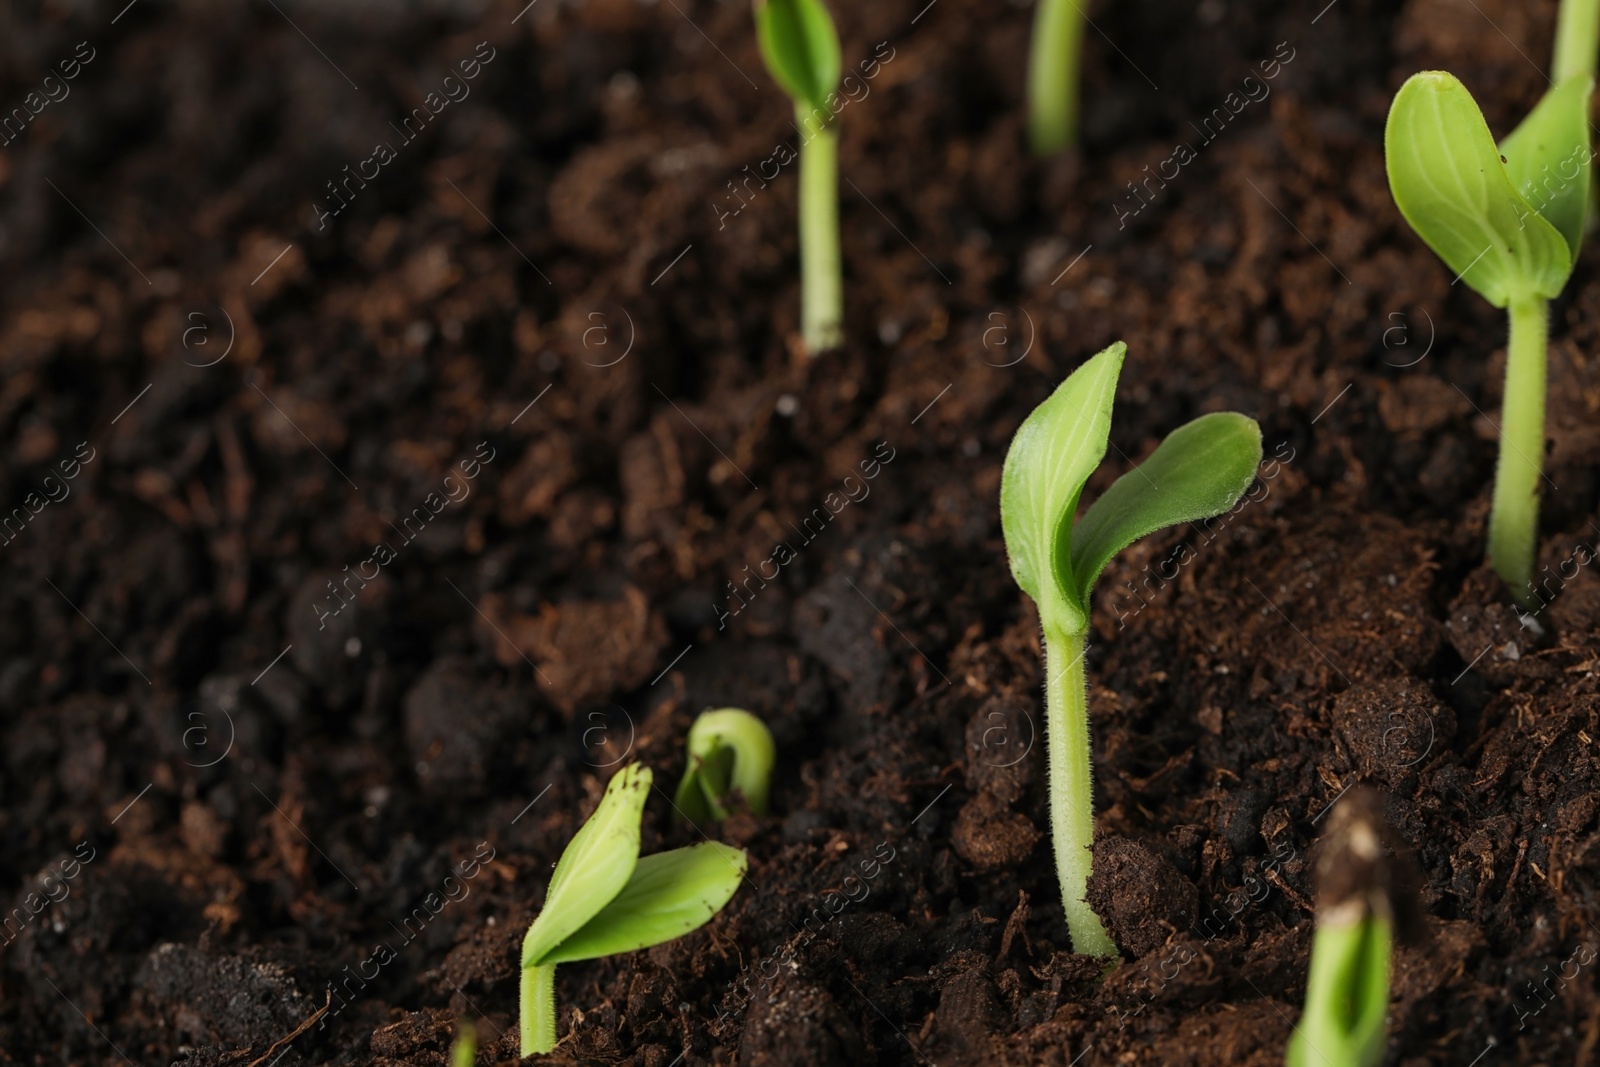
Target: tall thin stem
(1514, 518)
(1066, 699)
(1053, 75)
(1577, 39)
(821, 277)
(538, 1014)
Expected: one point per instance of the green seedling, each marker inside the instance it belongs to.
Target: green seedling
(801, 50)
(1053, 75)
(1347, 991)
(605, 899)
(1200, 470)
(464, 1053)
(730, 751)
(1509, 221)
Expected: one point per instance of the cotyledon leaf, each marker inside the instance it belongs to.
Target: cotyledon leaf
(1052, 455)
(669, 894)
(1200, 470)
(800, 47)
(594, 868)
(1451, 185)
(1548, 159)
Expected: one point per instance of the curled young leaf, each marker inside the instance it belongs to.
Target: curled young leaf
(729, 750)
(1449, 182)
(595, 866)
(1200, 470)
(670, 894)
(1052, 455)
(801, 49)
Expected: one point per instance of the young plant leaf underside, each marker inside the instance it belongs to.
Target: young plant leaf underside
(1051, 457)
(595, 867)
(669, 894)
(800, 47)
(1200, 470)
(1448, 180)
(1547, 159)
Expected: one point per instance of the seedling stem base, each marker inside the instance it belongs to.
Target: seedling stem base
(1072, 788)
(538, 1014)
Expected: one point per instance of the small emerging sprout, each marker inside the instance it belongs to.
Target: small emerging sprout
(1200, 470)
(729, 750)
(1509, 221)
(801, 50)
(464, 1053)
(1053, 75)
(604, 899)
(1347, 992)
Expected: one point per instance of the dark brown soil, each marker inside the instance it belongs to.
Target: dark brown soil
(232, 834)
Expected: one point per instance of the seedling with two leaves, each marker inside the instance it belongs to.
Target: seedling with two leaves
(730, 754)
(801, 49)
(1200, 470)
(605, 899)
(1509, 221)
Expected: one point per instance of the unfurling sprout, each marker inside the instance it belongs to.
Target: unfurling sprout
(729, 750)
(1347, 992)
(801, 50)
(1200, 470)
(1053, 75)
(604, 898)
(1508, 221)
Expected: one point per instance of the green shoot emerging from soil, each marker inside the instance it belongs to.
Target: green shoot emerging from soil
(1053, 75)
(464, 1053)
(1347, 992)
(801, 50)
(730, 750)
(1508, 220)
(604, 898)
(1200, 470)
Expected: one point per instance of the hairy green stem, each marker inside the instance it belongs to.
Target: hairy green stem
(1066, 700)
(1577, 39)
(538, 1015)
(1514, 518)
(821, 278)
(1053, 75)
